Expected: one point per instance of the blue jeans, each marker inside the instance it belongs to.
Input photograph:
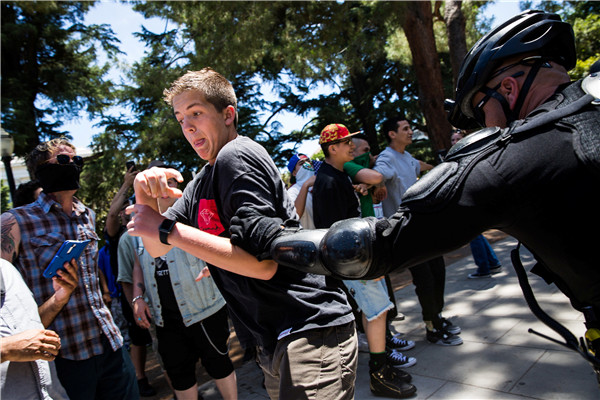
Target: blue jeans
(484, 256)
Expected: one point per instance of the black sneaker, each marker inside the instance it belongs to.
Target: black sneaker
(394, 342)
(146, 390)
(496, 270)
(386, 382)
(450, 327)
(397, 359)
(401, 374)
(443, 338)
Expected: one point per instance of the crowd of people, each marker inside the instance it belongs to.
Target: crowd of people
(236, 245)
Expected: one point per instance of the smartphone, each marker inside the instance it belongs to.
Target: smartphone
(70, 249)
(130, 164)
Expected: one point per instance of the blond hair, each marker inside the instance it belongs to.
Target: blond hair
(215, 88)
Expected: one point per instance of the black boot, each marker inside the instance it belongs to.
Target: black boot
(386, 382)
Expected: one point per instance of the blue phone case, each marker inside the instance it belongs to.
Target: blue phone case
(70, 249)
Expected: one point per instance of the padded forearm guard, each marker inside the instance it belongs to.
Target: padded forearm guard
(347, 250)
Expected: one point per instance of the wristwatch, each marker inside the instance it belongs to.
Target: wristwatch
(164, 229)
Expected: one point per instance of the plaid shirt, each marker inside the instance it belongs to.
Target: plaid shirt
(83, 320)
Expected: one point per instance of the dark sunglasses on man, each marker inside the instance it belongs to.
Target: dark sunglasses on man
(65, 159)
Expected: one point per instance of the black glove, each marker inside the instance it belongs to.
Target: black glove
(255, 232)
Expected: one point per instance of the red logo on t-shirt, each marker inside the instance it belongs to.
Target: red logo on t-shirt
(208, 217)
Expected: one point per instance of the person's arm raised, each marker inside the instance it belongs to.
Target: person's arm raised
(215, 250)
(112, 218)
(149, 185)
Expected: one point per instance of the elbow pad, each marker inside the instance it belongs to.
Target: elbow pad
(348, 250)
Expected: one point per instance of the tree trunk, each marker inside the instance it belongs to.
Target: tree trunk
(418, 28)
(457, 42)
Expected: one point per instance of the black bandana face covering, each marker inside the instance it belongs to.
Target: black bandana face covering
(58, 177)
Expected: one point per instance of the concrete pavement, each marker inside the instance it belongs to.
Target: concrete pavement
(499, 359)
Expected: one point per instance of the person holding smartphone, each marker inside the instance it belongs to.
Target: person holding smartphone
(91, 362)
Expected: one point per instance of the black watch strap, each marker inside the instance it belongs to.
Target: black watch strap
(164, 229)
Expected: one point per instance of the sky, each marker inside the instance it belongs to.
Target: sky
(124, 22)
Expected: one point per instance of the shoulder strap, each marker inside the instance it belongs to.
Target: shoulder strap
(579, 112)
(553, 115)
(570, 341)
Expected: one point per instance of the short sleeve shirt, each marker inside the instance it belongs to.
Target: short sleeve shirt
(400, 171)
(334, 198)
(126, 255)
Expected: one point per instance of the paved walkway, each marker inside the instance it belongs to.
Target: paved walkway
(499, 358)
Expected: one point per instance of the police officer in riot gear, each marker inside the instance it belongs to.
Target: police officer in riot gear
(533, 173)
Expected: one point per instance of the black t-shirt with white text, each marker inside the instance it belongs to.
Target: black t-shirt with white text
(168, 302)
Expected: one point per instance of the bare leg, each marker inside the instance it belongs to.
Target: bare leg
(375, 331)
(138, 357)
(187, 394)
(228, 386)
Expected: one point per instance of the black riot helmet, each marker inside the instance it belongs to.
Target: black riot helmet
(531, 32)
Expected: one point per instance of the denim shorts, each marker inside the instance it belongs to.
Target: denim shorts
(371, 296)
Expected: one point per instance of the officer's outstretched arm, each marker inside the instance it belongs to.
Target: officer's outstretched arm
(347, 250)
(355, 248)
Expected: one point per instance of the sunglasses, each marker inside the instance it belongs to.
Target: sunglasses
(345, 141)
(528, 62)
(489, 93)
(65, 159)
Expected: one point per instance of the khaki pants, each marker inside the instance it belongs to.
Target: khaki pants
(315, 364)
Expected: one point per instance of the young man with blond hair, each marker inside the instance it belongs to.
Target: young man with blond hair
(304, 348)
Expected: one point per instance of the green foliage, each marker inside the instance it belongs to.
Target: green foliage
(5, 203)
(584, 16)
(49, 68)
(291, 46)
(422, 150)
(356, 50)
(318, 155)
(587, 32)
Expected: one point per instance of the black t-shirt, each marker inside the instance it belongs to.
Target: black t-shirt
(333, 197)
(291, 301)
(168, 303)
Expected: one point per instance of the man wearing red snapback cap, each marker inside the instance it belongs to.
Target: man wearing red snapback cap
(334, 199)
(333, 194)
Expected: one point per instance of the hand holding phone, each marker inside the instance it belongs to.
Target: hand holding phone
(70, 249)
(130, 164)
